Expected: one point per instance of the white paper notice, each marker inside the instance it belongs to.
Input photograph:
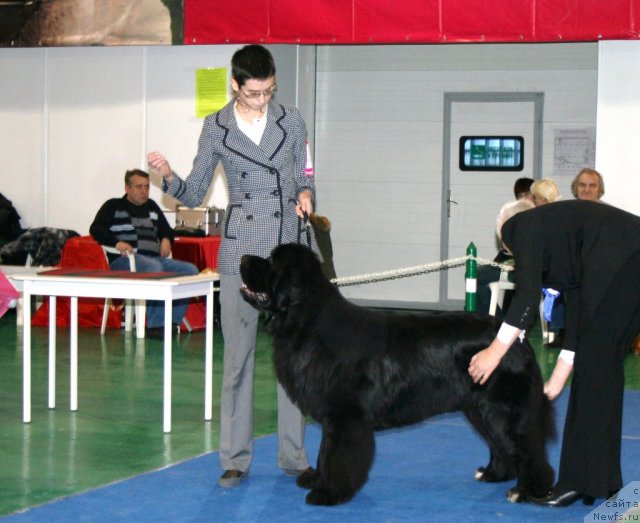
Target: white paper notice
(573, 150)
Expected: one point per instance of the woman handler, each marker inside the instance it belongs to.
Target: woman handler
(591, 252)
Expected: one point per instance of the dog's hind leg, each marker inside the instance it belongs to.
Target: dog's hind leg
(500, 466)
(535, 474)
(346, 456)
(517, 438)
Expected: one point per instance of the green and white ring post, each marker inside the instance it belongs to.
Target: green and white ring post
(470, 275)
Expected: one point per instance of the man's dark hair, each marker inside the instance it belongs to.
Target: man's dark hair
(134, 172)
(522, 186)
(252, 62)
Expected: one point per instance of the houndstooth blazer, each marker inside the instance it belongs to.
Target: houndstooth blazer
(263, 181)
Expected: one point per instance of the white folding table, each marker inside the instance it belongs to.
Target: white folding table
(92, 284)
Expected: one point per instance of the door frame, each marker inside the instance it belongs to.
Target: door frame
(537, 98)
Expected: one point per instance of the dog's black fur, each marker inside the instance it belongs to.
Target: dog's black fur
(355, 371)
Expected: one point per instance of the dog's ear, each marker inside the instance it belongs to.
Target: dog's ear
(280, 286)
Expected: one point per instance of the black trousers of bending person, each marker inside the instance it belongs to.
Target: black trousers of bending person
(590, 459)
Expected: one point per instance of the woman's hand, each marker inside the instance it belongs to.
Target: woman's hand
(561, 372)
(159, 166)
(305, 204)
(483, 363)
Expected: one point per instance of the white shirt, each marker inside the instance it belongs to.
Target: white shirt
(255, 129)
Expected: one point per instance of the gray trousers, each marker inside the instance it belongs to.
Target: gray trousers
(239, 329)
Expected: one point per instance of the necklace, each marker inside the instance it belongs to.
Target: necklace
(247, 113)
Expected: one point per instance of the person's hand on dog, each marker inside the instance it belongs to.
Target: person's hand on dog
(305, 204)
(159, 166)
(483, 363)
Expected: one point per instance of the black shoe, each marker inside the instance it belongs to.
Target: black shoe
(232, 478)
(157, 333)
(564, 499)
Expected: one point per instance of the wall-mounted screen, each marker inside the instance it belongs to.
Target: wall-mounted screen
(491, 153)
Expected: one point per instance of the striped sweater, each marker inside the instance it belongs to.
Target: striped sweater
(141, 226)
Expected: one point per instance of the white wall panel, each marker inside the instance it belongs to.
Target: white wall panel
(22, 177)
(619, 123)
(94, 126)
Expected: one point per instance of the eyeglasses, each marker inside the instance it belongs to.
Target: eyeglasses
(257, 94)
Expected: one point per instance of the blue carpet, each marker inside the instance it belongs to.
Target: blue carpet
(421, 473)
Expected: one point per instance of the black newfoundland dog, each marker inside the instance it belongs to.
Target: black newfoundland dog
(356, 371)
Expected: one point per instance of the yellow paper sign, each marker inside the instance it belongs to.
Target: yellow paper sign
(211, 90)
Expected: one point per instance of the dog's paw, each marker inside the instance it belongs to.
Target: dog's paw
(490, 475)
(309, 479)
(515, 495)
(322, 497)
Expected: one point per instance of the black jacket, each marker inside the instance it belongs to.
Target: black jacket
(576, 247)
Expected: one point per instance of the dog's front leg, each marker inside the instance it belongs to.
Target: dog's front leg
(312, 479)
(345, 458)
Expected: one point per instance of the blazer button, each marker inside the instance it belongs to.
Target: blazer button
(243, 175)
(273, 171)
(276, 214)
(247, 195)
(276, 192)
(249, 217)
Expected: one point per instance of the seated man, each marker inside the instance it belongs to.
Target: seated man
(136, 224)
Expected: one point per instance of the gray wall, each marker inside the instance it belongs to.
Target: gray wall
(72, 120)
(379, 145)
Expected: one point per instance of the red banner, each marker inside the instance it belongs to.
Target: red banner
(410, 21)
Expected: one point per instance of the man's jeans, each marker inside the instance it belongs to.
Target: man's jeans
(155, 309)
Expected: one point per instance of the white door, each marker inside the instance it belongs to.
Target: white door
(472, 198)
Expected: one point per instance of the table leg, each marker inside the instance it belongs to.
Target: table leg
(168, 333)
(52, 351)
(139, 316)
(73, 354)
(19, 315)
(26, 356)
(208, 357)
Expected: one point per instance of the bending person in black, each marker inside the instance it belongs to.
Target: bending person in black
(590, 252)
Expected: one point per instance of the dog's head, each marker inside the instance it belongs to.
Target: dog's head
(291, 275)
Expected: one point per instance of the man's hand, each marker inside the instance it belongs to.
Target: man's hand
(165, 248)
(124, 248)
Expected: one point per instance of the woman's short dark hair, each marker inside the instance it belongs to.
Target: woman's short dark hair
(252, 62)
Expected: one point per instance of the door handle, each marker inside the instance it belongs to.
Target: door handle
(449, 202)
